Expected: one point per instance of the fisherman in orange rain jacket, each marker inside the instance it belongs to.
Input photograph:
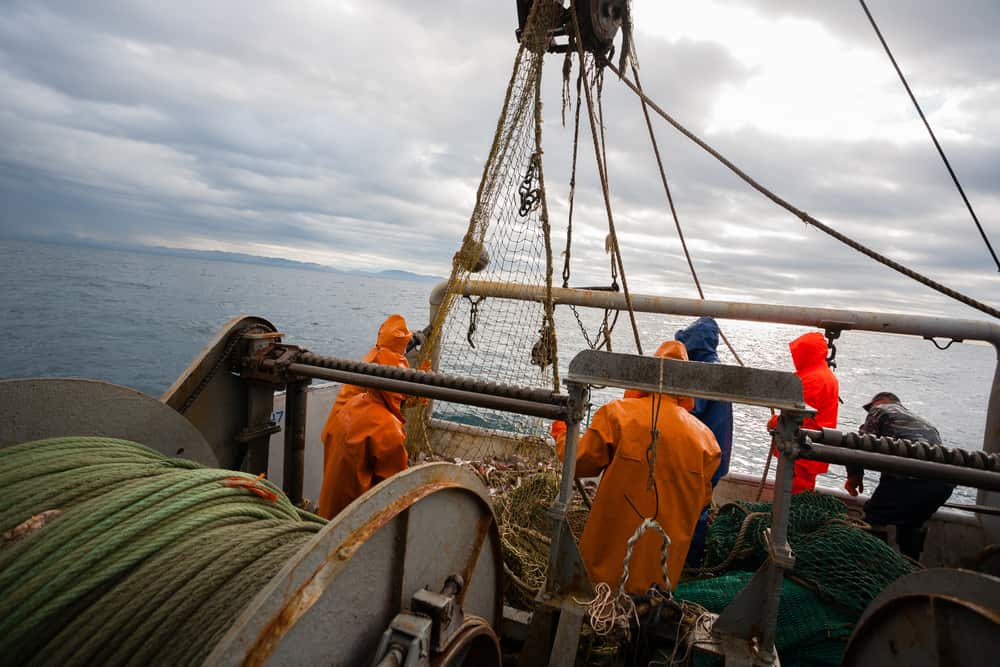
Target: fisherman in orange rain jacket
(821, 391)
(363, 439)
(393, 338)
(686, 457)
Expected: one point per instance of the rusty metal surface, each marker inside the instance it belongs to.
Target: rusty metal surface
(752, 386)
(932, 617)
(331, 603)
(38, 408)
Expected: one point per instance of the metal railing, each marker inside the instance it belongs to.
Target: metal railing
(832, 319)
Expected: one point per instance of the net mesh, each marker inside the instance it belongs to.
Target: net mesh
(809, 631)
(833, 554)
(508, 341)
(521, 501)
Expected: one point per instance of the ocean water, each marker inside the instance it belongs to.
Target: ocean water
(138, 319)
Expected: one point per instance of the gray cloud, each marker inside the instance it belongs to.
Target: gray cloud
(357, 132)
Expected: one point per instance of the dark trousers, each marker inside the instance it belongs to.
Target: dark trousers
(906, 503)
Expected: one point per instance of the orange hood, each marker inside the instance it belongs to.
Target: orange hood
(390, 350)
(393, 334)
(669, 349)
(808, 351)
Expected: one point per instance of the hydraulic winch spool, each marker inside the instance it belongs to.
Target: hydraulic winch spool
(393, 547)
(416, 557)
(40, 408)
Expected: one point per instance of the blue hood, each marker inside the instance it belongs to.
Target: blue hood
(701, 339)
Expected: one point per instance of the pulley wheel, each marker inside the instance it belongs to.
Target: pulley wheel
(599, 22)
(475, 645)
(934, 617)
(331, 603)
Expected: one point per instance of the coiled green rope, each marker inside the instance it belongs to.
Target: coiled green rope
(150, 561)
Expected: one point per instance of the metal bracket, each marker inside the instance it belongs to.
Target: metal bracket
(443, 609)
(406, 642)
(720, 382)
(251, 433)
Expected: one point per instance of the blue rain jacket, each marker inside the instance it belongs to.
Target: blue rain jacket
(701, 339)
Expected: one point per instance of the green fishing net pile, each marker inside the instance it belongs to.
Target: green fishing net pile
(839, 569)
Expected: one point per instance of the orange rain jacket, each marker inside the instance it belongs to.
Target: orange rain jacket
(363, 440)
(687, 456)
(821, 391)
(393, 337)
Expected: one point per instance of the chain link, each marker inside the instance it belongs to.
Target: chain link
(531, 195)
(227, 352)
(473, 317)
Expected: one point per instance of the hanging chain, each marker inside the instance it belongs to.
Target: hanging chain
(831, 336)
(603, 336)
(529, 193)
(473, 317)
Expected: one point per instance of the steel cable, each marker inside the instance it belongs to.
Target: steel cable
(805, 217)
(150, 560)
(947, 164)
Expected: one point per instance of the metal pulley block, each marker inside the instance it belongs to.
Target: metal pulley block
(600, 21)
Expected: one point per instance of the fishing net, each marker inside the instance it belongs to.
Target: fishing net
(809, 631)
(508, 241)
(833, 554)
(521, 500)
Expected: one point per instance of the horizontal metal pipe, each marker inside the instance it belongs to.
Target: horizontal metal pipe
(504, 404)
(465, 383)
(914, 325)
(980, 479)
(896, 323)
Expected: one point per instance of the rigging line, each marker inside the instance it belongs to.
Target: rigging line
(543, 216)
(805, 217)
(673, 209)
(572, 180)
(961, 191)
(602, 171)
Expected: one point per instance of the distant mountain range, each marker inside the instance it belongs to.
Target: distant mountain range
(237, 257)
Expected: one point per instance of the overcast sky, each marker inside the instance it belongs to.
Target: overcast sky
(354, 133)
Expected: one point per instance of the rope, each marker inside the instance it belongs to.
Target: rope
(151, 559)
(673, 209)
(954, 178)
(630, 548)
(549, 325)
(602, 172)
(737, 550)
(805, 217)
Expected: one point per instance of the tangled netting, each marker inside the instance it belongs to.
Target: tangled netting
(521, 501)
(833, 553)
(112, 554)
(507, 241)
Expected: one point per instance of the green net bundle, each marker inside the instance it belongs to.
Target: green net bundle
(113, 554)
(839, 569)
(809, 632)
(833, 554)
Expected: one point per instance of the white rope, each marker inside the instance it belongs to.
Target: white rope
(630, 548)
